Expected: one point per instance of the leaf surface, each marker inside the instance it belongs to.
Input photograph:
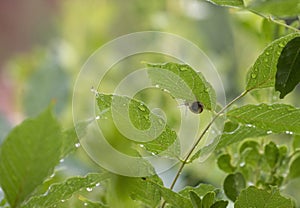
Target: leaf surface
(28, 155)
(230, 3)
(278, 118)
(63, 191)
(254, 197)
(183, 83)
(262, 73)
(288, 73)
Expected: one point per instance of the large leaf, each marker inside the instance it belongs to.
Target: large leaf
(234, 3)
(139, 117)
(277, 118)
(63, 191)
(288, 68)
(254, 197)
(183, 82)
(28, 156)
(234, 133)
(285, 8)
(262, 73)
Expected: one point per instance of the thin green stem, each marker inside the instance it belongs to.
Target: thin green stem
(184, 162)
(270, 18)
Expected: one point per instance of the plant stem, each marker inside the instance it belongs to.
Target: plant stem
(270, 18)
(200, 138)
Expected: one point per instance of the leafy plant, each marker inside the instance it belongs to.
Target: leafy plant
(257, 169)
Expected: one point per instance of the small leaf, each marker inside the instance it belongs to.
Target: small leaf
(28, 155)
(271, 154)
(208, 200)
(230, 3)
(254, 197)
(183, 83)
(262, 73)
(288, 73)
(294, 171)
(238, 133)
(220, 204)
(286, 8)
(277, 118)
(195, 199)
(64, 190)
(200, 190)
(233, 184)
(224, 163)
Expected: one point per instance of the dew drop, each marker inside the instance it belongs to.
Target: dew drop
(152, 153)
(97, 184)
(141, 145)
(53, 174)
(269, 132)
(77, 145)
(157, 86)
(61, 160)
(97, 117)
(85, 204)
(253, 75)
(62, 200)
(242, 164)
(289, 132)
(89, 189)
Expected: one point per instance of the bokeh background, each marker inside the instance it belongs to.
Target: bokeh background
(43, 45)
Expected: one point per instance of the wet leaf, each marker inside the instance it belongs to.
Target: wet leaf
(232, 3)
(262, 73)
(28, 155)
(182, 82)
(277, 118)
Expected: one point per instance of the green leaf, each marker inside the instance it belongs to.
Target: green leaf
(145, 191)
(201, 190)
(195, 199)
(277, 118)
(254, 197)
(230, 3)
(262, 73)
(28, 155)
(288, 73)
(294, 171)
(173, 198)
(224, 163)
(69, 142)
(141, 118)
(64, 190)
(90, 204)
(271, 154)
(233, 184)
(234, 133)
(182, 82)
(296, 142)
(220, 204)
(286, 8)
(208, 200)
